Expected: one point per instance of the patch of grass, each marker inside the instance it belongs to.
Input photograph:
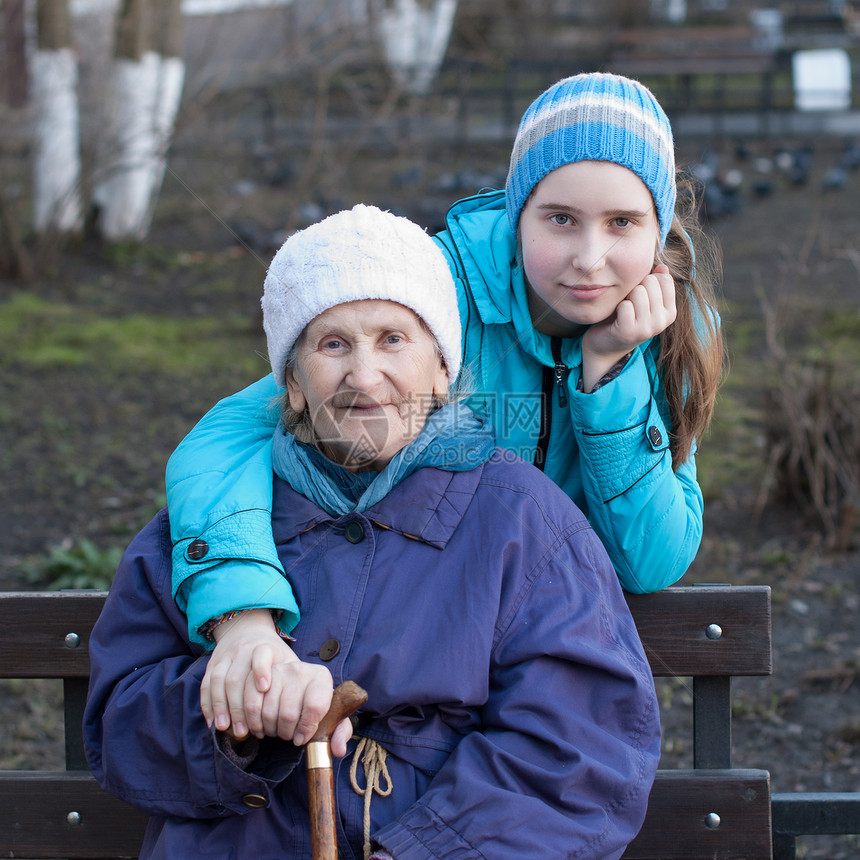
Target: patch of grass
(55, 334)
(777, 557)
(836, 340)
(150, 254)
(744, 331)
(730, 454)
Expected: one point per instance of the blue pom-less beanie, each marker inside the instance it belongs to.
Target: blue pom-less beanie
(595, 117)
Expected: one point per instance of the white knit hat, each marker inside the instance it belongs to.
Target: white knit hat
(360, 253)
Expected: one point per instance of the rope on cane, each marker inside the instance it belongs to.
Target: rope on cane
(373, 756)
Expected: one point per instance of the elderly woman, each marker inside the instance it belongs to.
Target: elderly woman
(510, 702)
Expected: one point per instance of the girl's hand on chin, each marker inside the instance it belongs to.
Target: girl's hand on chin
(648, 310)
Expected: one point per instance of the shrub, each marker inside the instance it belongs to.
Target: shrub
(75, 565)
(812, 424)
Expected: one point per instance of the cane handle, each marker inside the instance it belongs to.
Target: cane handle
(347, 698)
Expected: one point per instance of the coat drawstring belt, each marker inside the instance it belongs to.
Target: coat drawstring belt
(373, 756)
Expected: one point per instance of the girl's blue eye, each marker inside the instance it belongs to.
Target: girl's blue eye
(561, 220)
(622, 222)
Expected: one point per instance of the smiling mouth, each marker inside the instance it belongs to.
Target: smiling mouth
(353, 400)
(360, 408)
(586, 289)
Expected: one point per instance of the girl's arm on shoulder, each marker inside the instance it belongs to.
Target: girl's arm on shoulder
(219, 493)
(648, 516)
(145, 736)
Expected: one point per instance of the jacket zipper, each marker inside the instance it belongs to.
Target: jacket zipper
(553, 378)
(561, 370)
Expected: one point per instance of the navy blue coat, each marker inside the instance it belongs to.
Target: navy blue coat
(506, 681)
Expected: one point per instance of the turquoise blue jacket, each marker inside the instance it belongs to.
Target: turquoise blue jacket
(608, 450)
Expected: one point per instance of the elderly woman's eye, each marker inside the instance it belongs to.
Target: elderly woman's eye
(332, 344)
(393, 338)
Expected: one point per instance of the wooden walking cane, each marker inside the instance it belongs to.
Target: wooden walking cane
(347, 698)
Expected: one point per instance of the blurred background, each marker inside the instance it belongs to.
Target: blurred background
(155, 153)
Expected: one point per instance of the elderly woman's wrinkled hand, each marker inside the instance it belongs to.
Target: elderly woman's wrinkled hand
(255, 684)
(240, 672)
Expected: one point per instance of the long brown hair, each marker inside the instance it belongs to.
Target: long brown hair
(692, 351)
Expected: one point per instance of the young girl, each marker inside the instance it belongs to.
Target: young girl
(590, 330)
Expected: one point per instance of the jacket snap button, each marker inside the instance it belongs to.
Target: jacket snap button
(655, 435)
(354, 532)
(197, 549)
(255, 801)
(330, 649)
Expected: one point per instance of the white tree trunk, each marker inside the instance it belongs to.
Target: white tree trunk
(415, 37)
(127, 165)
(56, 159)
(170, 82)
(141, 107)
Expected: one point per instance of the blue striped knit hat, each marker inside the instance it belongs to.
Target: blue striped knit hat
(595, 117)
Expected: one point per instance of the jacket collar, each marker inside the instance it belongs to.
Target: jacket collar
(487, 252)
(427, 506)
(493, 271)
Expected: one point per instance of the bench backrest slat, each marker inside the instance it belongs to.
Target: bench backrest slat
(673, 625)
(35, 629)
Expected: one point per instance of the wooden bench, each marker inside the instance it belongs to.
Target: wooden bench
(708, 634)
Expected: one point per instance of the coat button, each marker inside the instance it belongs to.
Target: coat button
(330, 649)
(354, 532)
(255, 801)
(655, 435)
(197, 549)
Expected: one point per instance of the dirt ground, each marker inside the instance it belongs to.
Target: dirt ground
(83, 446)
